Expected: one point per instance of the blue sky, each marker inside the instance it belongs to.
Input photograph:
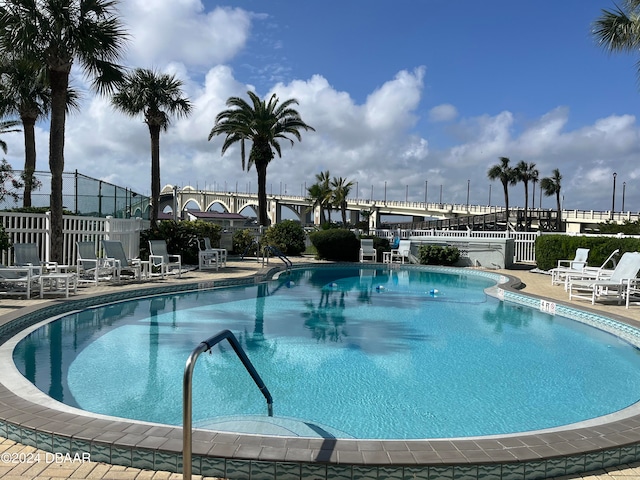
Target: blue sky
(399, 92)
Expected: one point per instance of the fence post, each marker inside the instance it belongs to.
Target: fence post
(47, 236)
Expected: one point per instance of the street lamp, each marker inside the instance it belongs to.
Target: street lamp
(613, 199)
(385, 191)
(624, 187)
(426, 185)
(406, 195)
(356, 191)
(468, 188)
(440, 194)
(489, 194)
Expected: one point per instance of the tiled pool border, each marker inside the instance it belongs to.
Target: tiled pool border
(533, 455)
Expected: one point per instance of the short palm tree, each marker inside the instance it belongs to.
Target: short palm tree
(55, 33)
(157, 97)
(552, 186)
(263, 124)
(340, 192)
(525, 173)
(507, 176)
(323, 180)
(317, 196)
(619, 30)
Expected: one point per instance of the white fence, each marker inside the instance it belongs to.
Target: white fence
(525, 251)
(35, 228)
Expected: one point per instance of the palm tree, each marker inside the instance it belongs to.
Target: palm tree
(54, 33)
(550, 186)
(619, 30)
(525, 173)
(318, 197)
(158, 97)
(341, 189)
(7, 126)
(507, 176)
(263, 124)
(324, 183)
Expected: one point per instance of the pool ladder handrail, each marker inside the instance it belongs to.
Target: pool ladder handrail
(207, 345)
(276, 252)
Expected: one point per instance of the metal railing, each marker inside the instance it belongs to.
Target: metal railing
(187, 391)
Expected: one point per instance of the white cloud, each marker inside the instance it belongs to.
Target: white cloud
(443, 113)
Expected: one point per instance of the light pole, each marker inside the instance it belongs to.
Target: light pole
(440, 194)
(385, 191)
(624, 187)
(371, 197)
(426, 186)
(356, 191)
(613, 199)
(406, 195)
(468, 188)
(489, 194)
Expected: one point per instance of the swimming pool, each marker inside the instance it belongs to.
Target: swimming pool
(350, 353)
(32, 418)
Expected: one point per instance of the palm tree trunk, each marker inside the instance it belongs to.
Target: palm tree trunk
(263, 219)
(154, 132)
(28, 125)
(526, 206)
(506, 202)
(343, 206)
(59, 84)
(558, 218)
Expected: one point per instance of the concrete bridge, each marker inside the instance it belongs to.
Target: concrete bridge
(177, 199)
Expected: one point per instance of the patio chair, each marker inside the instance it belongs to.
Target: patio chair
(578, 264)
(91, 268)
(617, 286)
(19, 280)
(114, 254)
(367, 252)
(402, 252)
(159, 257)
(222, 252)
(27, 255)
(591, 273)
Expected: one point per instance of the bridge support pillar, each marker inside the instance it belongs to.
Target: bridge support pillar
(374, 218)
(354, 217)
(275, 211)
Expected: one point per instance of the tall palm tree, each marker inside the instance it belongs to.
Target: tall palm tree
(552, 186)
(55, 33)
(507, 176)
(157, 96)
(263, 124)
(340, 191)
(525, 173)
(619, 30)
(24, 91)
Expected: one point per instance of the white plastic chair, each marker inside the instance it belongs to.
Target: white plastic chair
(161, 258)
(367, 252)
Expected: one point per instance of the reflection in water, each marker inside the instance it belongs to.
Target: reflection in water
(500, 316)
(326, 320)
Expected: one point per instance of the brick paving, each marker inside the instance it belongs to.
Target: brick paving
(24, 462)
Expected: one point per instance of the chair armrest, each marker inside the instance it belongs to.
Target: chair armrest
(156, 259)
(176, 256)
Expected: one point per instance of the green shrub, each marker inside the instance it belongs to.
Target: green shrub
(438, 255)
(551, 248)
(336, 244)
(288, 236)
(243, 242)
(5, 241)
(181, 237)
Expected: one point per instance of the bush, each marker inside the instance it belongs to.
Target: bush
(438, 255)
(288, 236)
(551, 248)
(5, 241)
(243, 242)
(181, 237)
(336, 244)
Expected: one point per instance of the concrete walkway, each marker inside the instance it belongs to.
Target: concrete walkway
(23, 462)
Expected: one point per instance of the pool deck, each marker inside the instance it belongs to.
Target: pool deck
(49, 468)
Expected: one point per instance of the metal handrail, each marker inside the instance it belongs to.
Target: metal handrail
(187, 391)
(275, 251)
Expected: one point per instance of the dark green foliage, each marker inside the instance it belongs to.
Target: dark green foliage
(5, 242)
(627, 227)
(288, 236)
(243, 242)
(551, 248)
(336, 244)
(182, 238)
(438, 255)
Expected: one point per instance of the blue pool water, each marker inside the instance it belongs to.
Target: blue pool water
(360, 353)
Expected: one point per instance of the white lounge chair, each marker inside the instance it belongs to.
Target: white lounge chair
(114, 254)
(367, 252)
(159, 257)
(402, 252)
(591, 273)
(92, 269)
(578, 264)
(19, 280)
(617, 286)
(27, 255)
